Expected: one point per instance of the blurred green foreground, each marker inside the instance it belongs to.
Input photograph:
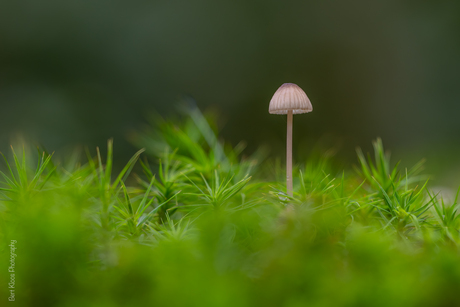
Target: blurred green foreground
(184, 224)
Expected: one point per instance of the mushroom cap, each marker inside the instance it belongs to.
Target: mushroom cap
(290, 96)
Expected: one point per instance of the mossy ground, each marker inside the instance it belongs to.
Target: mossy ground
(191, 222)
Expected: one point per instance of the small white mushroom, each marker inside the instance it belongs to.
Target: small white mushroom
(289, 99)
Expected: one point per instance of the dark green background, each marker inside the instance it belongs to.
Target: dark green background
(80, 72)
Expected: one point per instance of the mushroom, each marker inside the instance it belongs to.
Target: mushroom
(289, 99)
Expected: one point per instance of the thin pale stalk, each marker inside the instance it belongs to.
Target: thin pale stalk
(289, 153)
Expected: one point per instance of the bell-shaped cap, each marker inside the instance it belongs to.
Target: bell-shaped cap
(288, 97)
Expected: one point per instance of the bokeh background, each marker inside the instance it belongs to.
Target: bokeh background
(79, 72)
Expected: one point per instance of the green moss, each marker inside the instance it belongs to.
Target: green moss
(206, 226)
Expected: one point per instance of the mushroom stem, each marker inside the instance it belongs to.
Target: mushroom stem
(289, 153)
